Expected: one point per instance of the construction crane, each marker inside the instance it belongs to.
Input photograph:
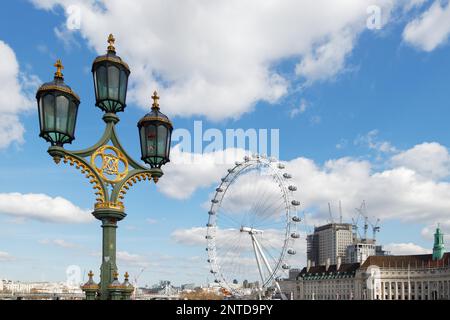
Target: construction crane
(375, 228)
(329, 211)
(362, 212)
(136, 278)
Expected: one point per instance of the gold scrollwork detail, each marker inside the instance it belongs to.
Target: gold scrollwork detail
(109, 205)
(97, 186)
(132, 180)
(111, 158)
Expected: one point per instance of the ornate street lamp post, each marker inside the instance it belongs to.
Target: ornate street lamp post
(106, 164)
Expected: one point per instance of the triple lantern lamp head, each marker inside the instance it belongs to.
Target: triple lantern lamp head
(58, 107)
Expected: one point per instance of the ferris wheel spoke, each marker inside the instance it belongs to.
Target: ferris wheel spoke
(267, 212)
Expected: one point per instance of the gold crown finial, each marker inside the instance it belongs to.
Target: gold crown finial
(90, 274)
(115, 275)
(59, 67)
(155, 100)
(111, 41)
(126, 276)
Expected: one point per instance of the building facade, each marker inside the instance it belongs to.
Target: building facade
(360, 251)
(406, 277)
(329, 242)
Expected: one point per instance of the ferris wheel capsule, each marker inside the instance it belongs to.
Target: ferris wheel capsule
(208, 237)
(209, 225)
(292, 188)
(211, 213)
(281, 166)
(291, 251)
(286, 266)
(295, 235)
(295, 203)
(287, 175)
(215, 201)
(296, 219)
(246, 158)
(219, 190)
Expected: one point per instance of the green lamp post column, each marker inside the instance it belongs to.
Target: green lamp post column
(106, 164)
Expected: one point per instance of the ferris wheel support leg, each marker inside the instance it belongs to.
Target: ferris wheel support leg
(258, 261)
(266, 263)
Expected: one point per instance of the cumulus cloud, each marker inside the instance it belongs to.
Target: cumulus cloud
(60, 243)
(410, 189)
(431, 29)
(5, 257)
(219, 58)
(15, 96)
(431, 160)
(132, 259)
(372, 141)
(405, 248)
(42, 207)
(189, 172)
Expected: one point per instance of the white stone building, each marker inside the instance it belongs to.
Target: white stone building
(407, 277)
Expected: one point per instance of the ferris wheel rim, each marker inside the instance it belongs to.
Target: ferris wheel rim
(289, 213)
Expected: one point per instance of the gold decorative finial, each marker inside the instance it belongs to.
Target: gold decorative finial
(155, 100)
(90, 274)
(115, 275)
(59, 67)
(111, 41)
(126, 276)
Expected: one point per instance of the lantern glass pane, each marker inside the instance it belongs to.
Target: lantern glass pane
(151, 141)
(162, 141)
(72, 118)
(49, 112)
(123, 86)
(62, 113)
(113, 83)
(41, 113)
(102, 82)
(142, 137)
(168, 144)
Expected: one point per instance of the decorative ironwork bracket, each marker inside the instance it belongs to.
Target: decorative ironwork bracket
(108, 172)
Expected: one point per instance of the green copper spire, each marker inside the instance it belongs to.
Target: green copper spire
(438, 247)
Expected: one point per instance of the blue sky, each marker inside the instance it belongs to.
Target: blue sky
(371, 120)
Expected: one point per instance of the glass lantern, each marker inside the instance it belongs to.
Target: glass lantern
(58, 108)
(155, 131)
(110, 80)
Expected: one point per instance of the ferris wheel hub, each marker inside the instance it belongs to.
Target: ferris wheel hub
(251, 230)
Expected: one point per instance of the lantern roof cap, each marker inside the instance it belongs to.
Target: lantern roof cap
(110, 55)
(155, 114)
(57, 84)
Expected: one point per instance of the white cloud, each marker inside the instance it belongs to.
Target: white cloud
(406, 191)
(15, 96)
(405, 248)
(431, 29)
(431, 160)
(132, 259)
(218, 58)
(372, 141)
(189, 172)
(151, 221)
(43, 208)
(5, 257)
(60, 243)
(300, 109)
